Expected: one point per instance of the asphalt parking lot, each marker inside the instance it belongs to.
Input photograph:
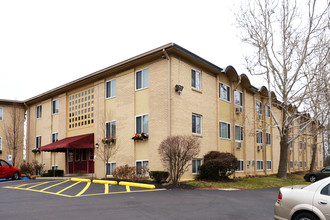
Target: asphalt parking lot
(62, 199)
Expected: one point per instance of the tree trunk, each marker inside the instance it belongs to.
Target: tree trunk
(283, 164)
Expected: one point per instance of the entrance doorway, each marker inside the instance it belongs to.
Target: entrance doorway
(81, 160)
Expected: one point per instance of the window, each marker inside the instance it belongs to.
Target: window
(291, 164)
(110, 89)
(77, 155)
(196, 163)
(0, 143)
(240, 168)
(83, 155)
(239, 133)
(267, 111)
(326, 190)
(300, 146)
(238, 98)
(142, 124)
(38, 141)
(259, 137)
(1, 114)
(260, 165)
(110, 167)
(142, 79)
(55, 106)
(142, 167)
(224, 92)
(110, 129)
(196, 79)
(300, 164)
(268, 139)
(39, 111)
(224, 130)
(258, 107)
(54, 137)
(91, 154)
(196, 124)
(269, 164)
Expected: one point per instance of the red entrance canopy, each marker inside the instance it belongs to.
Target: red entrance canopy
(77, 142)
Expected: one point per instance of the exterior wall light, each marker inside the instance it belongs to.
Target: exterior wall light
(178, 89)
(97, 145)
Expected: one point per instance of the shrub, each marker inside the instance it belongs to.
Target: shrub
(29, 169)
(124, 172)
(159, 176)
(218, 166)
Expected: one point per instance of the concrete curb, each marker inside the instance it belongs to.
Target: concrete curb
(149, 186)
(105, 182)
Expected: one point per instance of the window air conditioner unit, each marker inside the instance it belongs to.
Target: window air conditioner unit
(259, 147)
(253, 162)
(238, 145)
(239, 110)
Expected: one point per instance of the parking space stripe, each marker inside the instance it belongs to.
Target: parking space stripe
(67, 188)
(106, 188)
(37, 185)
(128, 189)
(84, 190)
(54, 185)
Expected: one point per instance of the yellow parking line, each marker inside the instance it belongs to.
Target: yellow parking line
(147, 190)
(84, 190)
(54, 185)
(67, 188)
(37, 185)
(106, 188)
(34, 190)
(128, 189)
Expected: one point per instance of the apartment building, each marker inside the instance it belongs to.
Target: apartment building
(166, 91)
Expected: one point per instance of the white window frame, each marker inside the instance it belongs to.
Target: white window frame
(260, 163)
(142, 164)
(111, 86)
(258, 139)
(228, 130)
(1, 113)
(111, 132)
(258, 107)
(142, 123)
(55, 109)
(200, 117)
(0, 143)
(240, 100)
(38, 142)
(39, 111)
(291, 164)
(267, 163)
(144, 74)
(198, 79)
(240, 167)
(241, 129)
(112, 167)
(268, 138)
(227, 98)
(195, 166)
(54, 135)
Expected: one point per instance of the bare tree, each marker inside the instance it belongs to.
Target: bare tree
(107, 150)
(283, 36)
(13, 132)
(176, 153)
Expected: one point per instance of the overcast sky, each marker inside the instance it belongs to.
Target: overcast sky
(45, 44)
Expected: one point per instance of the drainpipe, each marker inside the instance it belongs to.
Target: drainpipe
(168, 93)
(234, 119)
(26, 132)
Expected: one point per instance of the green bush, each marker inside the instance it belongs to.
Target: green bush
(159, 176)
(218, 166)
(57, 173)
